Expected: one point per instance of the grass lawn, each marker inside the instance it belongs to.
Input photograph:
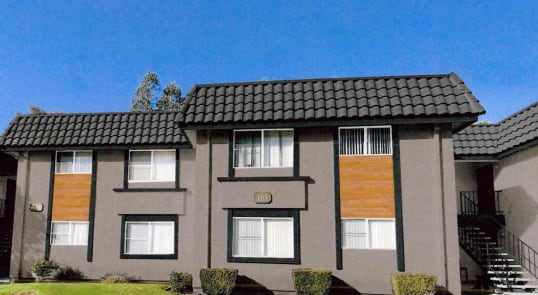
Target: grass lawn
(82, 289)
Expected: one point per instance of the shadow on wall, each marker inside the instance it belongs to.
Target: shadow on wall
(339, 287)
(33, 241)
(520, 209)
(247, 286)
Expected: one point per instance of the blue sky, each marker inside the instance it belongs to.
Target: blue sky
(87, 56)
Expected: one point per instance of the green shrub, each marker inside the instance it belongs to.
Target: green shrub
(68, 273)
(180, 282)
(311, 281)
(218, 281)
(113, 278)
(43, 268)
(413, 284)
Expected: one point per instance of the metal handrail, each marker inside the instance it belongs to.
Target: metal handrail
(2, 207)
(518, 249)
(469, 203)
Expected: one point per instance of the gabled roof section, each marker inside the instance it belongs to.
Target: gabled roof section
(331, 99)
(494, 140)
(127, 129)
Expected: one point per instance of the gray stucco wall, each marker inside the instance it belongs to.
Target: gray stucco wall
(517, 177)
(429, 214)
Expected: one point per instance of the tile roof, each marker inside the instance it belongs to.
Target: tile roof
(329, 99)
(92, 129)
(493, 139)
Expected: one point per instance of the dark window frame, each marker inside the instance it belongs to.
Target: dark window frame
(287, 213)
(148, 218)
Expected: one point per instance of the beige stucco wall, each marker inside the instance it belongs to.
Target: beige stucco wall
(517, 177)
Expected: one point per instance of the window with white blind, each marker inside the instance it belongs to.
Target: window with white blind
(69, 162)
(263, 148)
(72, 233)
(365, 141)
(149, 236)
(368, 234)
(152, 165)
(263, 237)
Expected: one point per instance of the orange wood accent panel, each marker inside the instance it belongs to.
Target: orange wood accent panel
(366, 186)
(71, 198)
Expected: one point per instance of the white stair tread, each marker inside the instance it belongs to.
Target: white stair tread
(505, 265)
(510, 279)
(504, 259)
(517, 286)
(509, 272)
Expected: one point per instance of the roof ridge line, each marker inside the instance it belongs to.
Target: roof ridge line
(518, 112)
(94, 113)
(264, 82)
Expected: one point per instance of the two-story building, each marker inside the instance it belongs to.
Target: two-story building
(355, 175)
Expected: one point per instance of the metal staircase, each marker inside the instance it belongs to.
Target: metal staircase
(509, 263)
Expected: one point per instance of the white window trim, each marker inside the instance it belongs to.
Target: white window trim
(262, 148)
(74, 156)
(70, 231)
(263, 236)
(365, 144)
(369, 241)
(151, 166)
(148, 238)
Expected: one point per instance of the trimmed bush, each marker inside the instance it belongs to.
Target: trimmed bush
(218, 281)
(68, 273)
(43, 268)
(180, 282)
(413, 284)
(311, 281)
(113, 278)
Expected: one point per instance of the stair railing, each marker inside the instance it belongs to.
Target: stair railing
(518, 249)
(469, 203)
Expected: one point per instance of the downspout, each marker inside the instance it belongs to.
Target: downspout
(209, 197)
(443, 213)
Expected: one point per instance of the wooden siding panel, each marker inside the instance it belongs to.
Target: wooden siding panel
(366, 186)
(71, 199)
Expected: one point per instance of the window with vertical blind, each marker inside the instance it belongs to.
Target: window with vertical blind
(152, 165)
(70, 162)
(69, 233)
(263, 148)
(365, 141)
(263, 236)
(368, 233)
(149, 236)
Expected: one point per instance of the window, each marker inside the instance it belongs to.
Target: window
(368, 234)
(263, 148)
(145, 236)
(264, 236)
(74, 233)
(158, 165)
(365, 141)
(74, 162)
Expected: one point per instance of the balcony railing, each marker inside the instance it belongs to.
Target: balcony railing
(469, 203)
(2, 207)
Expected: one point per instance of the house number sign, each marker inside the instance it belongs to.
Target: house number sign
(263, 198)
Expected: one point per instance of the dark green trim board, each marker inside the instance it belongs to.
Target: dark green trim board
(293, 213)
(178, 156)
(49, 207)
(149, 190)
(148, 218)
(306, 179)
(400, 249)
(231, 169)
(126, 169)
(209, 198)
(296, 155)
(91, 222)
(337, 218)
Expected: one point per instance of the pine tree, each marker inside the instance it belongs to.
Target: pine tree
(171, 98)
(144, 96)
